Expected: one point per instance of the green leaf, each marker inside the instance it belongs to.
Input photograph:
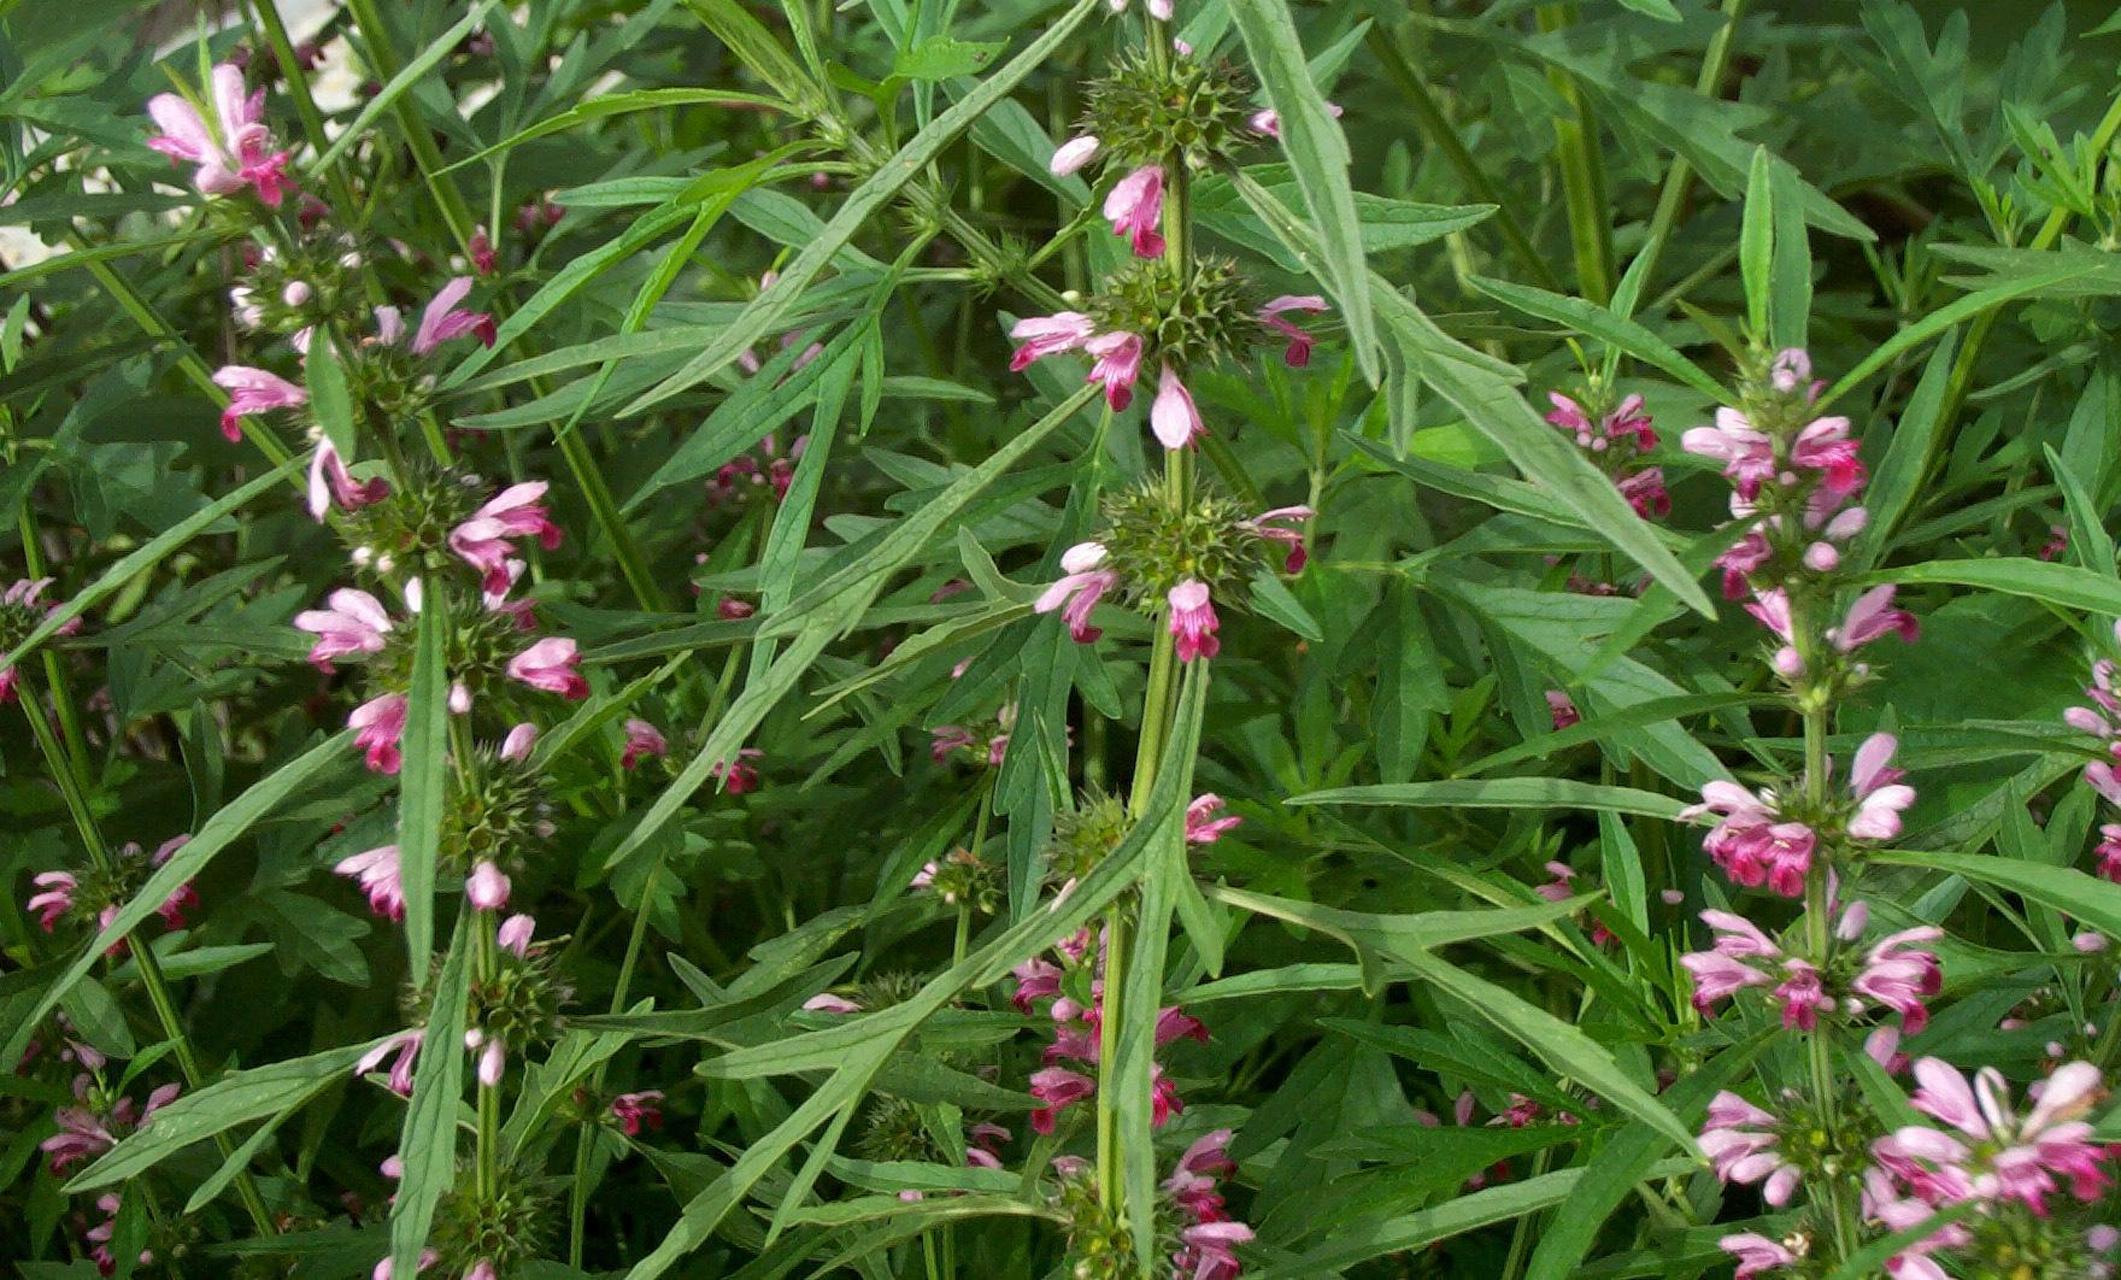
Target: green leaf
(755, 47)
(1318, 155)
(1894, 487)
(329, 398)
(438, 49)
(144, 558)
(2095, 901)
(1614, 330)
(861, 207)
(943, 58)
(1501, 793)
(1756, 242)
(215, 835)
(423, 779)
(234, 1099)
(620, 104)
(427, 1144)
(2063, 585)
(1661, 10)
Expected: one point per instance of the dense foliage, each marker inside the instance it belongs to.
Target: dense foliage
(1179, 638)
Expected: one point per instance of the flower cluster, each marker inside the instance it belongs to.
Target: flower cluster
(21, 612)
(92, 895)
(1193, 1225)
(1074, 982)
(2102, 720)
(1897, 972)
(1616, 440)
(1770, 837)
(235, 151)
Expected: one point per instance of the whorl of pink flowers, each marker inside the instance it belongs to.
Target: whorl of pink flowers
(1752, 846)
(1742, 1143)
(483, 540)
(253, 391)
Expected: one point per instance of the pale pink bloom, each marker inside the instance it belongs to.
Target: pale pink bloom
(1873, 616)
(2089, 943)
(1036, 979)
(1740, 1141)
(1749, 844)
(1135, 208)
(1561, 709)
(1748, 455)
(826, 1002)
(636, 1111)
(1208, 1251)
(378, 723)
(1755, 1254)
(1164, 1101)
(1193, 620)
(1173, 417)
(329, 480)
(356, 622)
(1268, 120)
(946, 739)
(482, 541)
(493, 1056)
(741, 776)
(1160, 10)
(1044, 336)
(925, 877)
(1192, 1180)
(1119, 362)
(516, 746)
(428, 1257)
(443, 319)
(406, 1045)
(55, 901)
(82, 1135)
(514, 935)
(1057, 1089)
(1646, 493)
(1821, 557)
(253, 391)
(1076, 594)
(1880, 795)
(1073, 154)
(459, 699)
(1722, 971)
(1792, 369)
(486, 887)
(1899, 975)
(236, 152)
(482, 1269)
(1745, 557)
(377, 872)
(2019, 1158)
(551, 664)
(642, 739)
(1202, 826)
(1276, 526)
(1298, 353)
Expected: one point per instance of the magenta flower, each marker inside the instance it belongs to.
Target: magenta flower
(1044, 336)
(1164, 1101)
(1824, 446)
(1748, 456)
(1119, 362)
(253, 391)
(642, 739)
(1036, 979)
(406, 1046)
(1076, 594)
(1873, 616)
(355, 623)
(2109, 851)
(1646, 493)
(1202, 826)
(377, 873)
(1207, 1251)
(1193, 620)
(1276, 526)
(1899, 975)
(1803, 996)
(486, 888)
(741, 776)
(1175, 1023)
(482, 541)
(330, 481)
(1073, 154)
(551, 664)
(637, 1111)
(1298, 353)
(1997, 1155)
(1755, 1254)
(1561, 709)
(1192, 1180)
(236, 153)
(82, 1135)
(1740, 1141)
(1749, 844)
(1722, 971)
(1268, 120)
(1135, 208)
(378, 723)
(1057, 1089)
(1173, 417)
(1880, 795)
(443, 319)
(1746, 557)
(57, 898)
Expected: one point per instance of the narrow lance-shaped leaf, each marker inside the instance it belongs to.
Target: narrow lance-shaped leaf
(427, 1144)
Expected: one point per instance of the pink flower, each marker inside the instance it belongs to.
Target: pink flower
(1175, 1024)
(1824, 446)
(482, 541)
(1057, 1089)
(1298, 353)
(1269, 121)
(1193, 620)
(1208, 1250)
(1803, 996)
(493, 1056)
(636, 1111)
(1192, 1180)
(1745, 558)
(1073, 154)
(1740, 1141)
(330, 481)
(1872, 616)
(642, 739)
(480, 250)
(82, 1136)
(1755, 1254)
(240, 154)
(1173, 417)
(741, 776)
(377, 873)
(1722, 971)
(428, 1257)
(551, 664)
(1561, 709)
(2109, 850)
(1164, 1101)
(517, 745)
(1276, 526)
(1036, 979)
(2019, 1159)
(355, 623)
(1202, 826)
(57, 898)
(514, 935)
(406, 1045)
(1748, 455)
(253, 391)
(826, 1002)
(1119, 362)
(1900, 976)
(443, 319)
(377, 725)
(1880, 795)
(1646, 493)
(1044, 336)
(486, 888)
(1791, 369)
(1077, 593)
(1750, 846)
(1135, 208)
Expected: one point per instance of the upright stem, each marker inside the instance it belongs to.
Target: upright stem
(1582, 176)
(1818, 935)
(489, 1156)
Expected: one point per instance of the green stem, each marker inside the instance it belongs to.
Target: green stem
(1582, 176)
(1111, 1016)
(489, 1151)
(1818, 935)
(384, 61)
